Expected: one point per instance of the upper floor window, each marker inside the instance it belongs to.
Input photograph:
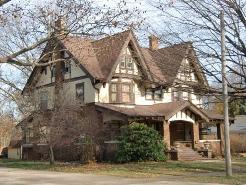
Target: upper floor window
(151, 94)
(44, 70)
(80, 92)
(67, 67)
(121, 93)
(53, 71)
(127, 62)
(28, 134)
(44, 101)
(177, 95)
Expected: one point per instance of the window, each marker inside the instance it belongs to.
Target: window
(127, 63)
(44, 70)
(113, 92)
(148, 94)
(28, 134)
(67, 67)
(123, 64)
(177, 95)
(126, 93)
(53, 71)
(121, 93)
(80, 92)
(151, 94)
(43, 101)
(158, 94)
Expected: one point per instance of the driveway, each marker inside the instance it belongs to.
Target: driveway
(10, 176)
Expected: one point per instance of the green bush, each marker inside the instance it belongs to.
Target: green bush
(140, 143)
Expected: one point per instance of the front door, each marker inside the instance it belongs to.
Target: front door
(181, 132)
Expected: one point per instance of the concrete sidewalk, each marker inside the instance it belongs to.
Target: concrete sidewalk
(9, 176)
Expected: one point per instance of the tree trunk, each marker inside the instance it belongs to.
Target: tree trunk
(52, 159)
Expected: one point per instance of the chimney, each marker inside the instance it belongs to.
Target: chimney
(60, 26)
(153, 42)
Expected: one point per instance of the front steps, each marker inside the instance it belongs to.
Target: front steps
(188, 154)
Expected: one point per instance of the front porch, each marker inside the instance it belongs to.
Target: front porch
(181, 124)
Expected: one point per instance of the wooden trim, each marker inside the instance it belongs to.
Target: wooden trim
(64, 81)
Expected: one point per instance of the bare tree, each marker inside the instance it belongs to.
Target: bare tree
(198, 21)
(26, 28)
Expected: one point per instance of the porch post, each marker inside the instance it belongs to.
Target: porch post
(166, 133)
(195, 134)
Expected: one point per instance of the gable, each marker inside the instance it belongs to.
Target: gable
(128, 63)
(135, 49)
(107, 51)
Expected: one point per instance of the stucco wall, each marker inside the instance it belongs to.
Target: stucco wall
(68, 91)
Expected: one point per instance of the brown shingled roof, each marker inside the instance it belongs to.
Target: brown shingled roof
(213, 116)
(169, 60)
(108, 50)
(83, 51)
(98, 57)
(166, 110)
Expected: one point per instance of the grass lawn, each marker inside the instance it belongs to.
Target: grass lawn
(206, 171)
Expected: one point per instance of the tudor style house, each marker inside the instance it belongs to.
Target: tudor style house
(121, 82)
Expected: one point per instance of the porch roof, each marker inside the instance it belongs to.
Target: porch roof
(213, 116)
(165, 110)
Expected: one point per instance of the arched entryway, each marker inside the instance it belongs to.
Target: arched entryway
(181, 132)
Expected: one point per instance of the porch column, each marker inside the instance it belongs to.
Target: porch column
(195, 134)
(166, 133)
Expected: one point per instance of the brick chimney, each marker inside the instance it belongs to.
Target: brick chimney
(153, 42)
(60, 26)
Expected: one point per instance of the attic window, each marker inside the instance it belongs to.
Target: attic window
(127, 63)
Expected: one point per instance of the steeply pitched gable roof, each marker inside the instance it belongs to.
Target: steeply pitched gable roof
(108, 50)
(99, 57)
(168, 60)
(82, 50)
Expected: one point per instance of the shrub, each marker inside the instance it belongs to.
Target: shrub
(140, 143)
(238, 144)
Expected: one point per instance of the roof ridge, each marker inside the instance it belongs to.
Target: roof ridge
(114, 35)
(177, 44)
